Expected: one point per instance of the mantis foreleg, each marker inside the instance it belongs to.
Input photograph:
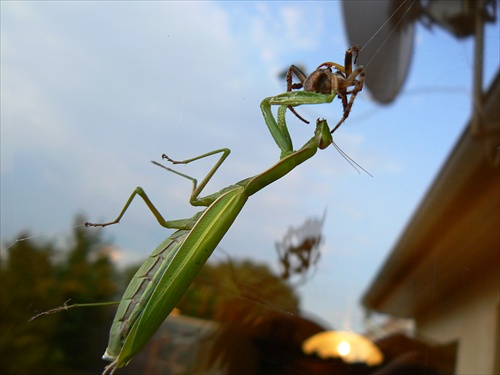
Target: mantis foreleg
(279, 130)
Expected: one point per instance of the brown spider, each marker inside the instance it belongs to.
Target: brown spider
(324, 81)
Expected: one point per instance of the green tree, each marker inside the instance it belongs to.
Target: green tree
(237, 291)
(87, 276)
(26, 282)
(33, 281)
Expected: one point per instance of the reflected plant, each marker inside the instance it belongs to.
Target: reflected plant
(299, 250)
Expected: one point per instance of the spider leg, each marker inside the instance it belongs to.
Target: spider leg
(295, 86)
(329, 65)
(351, 56)
(298, 116)
(300, 75)
(343, 97)
(358, 86)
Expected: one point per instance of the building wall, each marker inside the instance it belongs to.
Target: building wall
(469, 317)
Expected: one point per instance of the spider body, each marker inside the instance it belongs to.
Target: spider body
(322, 81)
(344, 81)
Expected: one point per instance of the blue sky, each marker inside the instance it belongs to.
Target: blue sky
(92, 91)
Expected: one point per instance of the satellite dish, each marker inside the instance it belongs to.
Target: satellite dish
(390, 51)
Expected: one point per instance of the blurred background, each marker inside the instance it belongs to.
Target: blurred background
(92, 91)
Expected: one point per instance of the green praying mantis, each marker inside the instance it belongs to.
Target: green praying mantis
(163, 278)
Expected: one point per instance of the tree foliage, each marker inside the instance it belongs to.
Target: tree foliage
(36, 277)
(235, 291)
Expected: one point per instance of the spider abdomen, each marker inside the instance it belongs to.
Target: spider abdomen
(320, 81)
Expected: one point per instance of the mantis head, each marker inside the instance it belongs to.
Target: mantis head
(322, 134)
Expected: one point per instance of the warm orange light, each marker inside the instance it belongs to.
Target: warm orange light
(350, 346)
(343, 348)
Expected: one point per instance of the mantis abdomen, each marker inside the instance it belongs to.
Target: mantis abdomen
(139, 290)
